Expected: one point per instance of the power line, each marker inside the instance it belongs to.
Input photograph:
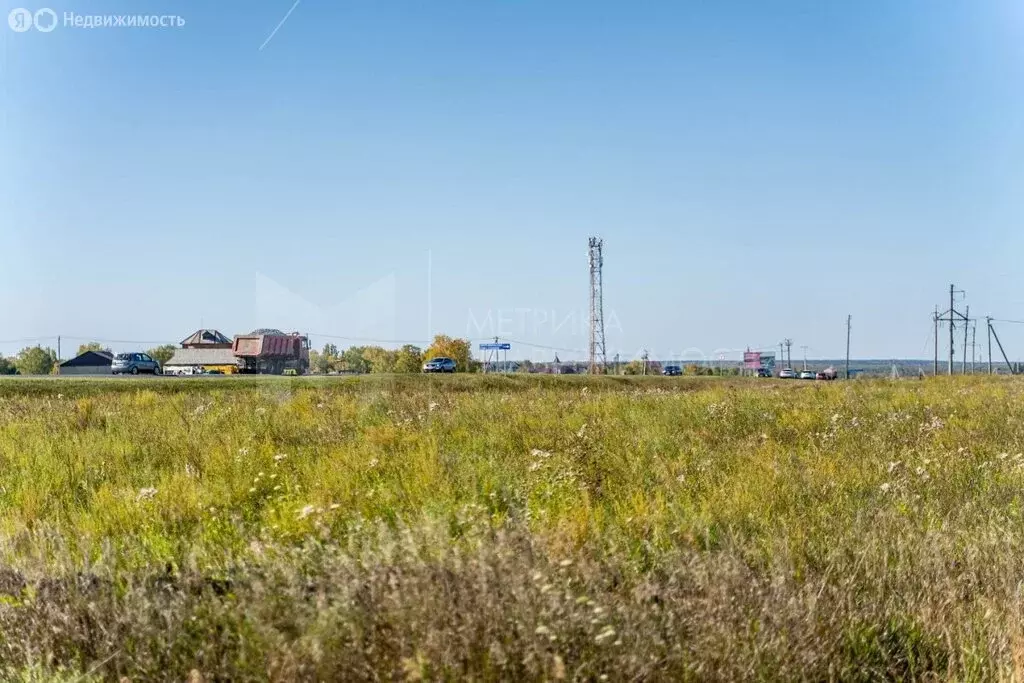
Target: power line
(541, 346)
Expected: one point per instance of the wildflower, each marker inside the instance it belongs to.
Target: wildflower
(319, 405)
(279, 457)
(535, 466)
(373, 463)
(433, 406)
(538, 453)
(565, 563)
(542, 630)
(681, 478)
(885, 487)
(146, 493)
(252, 490)
(306, 511)
(277, 488)
(243, 451)
(334, 506)
(894, 465)
(604, 635)
(1003, 456)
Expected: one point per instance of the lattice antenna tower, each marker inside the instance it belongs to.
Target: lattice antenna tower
(598, 355)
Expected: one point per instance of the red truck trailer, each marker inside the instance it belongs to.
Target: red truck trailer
(271, 352)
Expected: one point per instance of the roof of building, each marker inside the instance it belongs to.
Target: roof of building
(200, 356)
(89, 359)
(200, 337)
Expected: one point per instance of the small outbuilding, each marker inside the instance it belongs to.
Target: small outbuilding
(88, 363)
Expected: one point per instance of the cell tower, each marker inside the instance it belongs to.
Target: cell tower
(598, 359)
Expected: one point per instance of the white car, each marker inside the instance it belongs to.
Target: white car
(787, 373)
(807, 374)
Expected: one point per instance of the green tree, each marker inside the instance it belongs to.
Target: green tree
(7, 366)
(35, 360)
(329, 359)
(450, 347)
(163, 353)
(379, 359)
(92, 346)
(315, 359)
(409, 358)
(353, 360)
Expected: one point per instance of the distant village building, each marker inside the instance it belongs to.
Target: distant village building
(88, 363)
(203, 351)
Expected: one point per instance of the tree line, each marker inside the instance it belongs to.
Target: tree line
(39, 360)
(377, 359)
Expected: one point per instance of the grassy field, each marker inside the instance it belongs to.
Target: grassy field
(512, 528)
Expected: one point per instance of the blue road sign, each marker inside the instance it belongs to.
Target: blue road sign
(504, 346)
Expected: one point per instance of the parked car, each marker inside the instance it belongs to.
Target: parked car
(787, 373)
(828, 374)
(671, 371)
(133, 364)
(439, 365)
(764, 372)
(807, 374)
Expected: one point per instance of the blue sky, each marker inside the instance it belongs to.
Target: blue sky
(391, 169)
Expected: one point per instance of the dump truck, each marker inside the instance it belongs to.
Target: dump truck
(271, 352)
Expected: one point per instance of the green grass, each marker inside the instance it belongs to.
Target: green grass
(511, 528)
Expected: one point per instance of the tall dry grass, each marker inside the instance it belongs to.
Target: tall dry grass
(512, 528)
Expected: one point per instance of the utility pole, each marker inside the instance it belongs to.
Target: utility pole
(616, 363)
(804, 347)
(967, 324)
(974, 348)
(644, 357)
(952, 348)
(58, 348)
(848, 319)
(789, 352)
(988, 324)
(782, 356)
(935, 319)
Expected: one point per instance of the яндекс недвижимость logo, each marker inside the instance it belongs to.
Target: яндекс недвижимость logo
(45, 20)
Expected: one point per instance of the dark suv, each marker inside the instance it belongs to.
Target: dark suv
(671, 371)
